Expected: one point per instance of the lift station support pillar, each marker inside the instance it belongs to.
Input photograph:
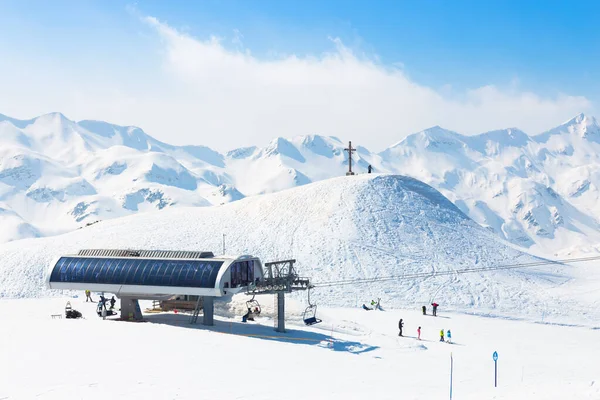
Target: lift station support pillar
(208, 309)
(130, 309)
(280, 312)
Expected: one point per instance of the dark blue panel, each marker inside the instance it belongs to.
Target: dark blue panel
(137, 275)
(93, 269)
(135, 271)
(115, 269)
(173, 271)
(124, 269)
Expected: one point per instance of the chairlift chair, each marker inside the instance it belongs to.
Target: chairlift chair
(310, 314)
(253, 305)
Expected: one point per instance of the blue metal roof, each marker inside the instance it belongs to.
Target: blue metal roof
(136, 271)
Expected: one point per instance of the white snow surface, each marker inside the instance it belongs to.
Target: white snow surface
(539, 192)
(352, 354)
(344, 228)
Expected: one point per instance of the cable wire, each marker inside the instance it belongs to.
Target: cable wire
(452, 272)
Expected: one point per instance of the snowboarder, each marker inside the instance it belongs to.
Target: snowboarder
(400, 326)
(424, 310)
(102, 300)
(370, 169)
(112, 303)
(435, 306)
(419, 333)
(88, 296)
(449, 336)
(442, 335)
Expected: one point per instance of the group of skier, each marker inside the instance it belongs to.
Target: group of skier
(447, 337)
(434, 307)
(443, 338)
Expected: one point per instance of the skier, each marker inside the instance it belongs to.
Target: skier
(419, 333)
(112, 303)
(400, 326)
(99, 308)
(88, 296)
(102, 300)
(424, 310)
(435, 306)
(442, 335)
(366, 308)
(449, 336)
(370, 169)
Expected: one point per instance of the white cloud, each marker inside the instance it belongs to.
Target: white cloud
(241, 98)
(208, 93)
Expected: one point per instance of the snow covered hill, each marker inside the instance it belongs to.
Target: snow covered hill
(538, 192)
(343, 228)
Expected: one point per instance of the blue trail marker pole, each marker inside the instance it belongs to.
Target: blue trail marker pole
(451, 368)
(495, 357)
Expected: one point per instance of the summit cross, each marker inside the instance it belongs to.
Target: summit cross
(350, 150)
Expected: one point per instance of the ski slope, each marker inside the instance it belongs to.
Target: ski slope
(346, 228)
(353, 354)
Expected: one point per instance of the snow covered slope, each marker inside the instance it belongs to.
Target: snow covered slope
(539, 192)
(353, 354)
(343, 228)
(57, 175)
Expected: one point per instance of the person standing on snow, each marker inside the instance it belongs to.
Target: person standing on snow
(419, 333)
(400, 326)
(424, 310)
(112, 303)
(435, 306)
(88, 296)
(442, 335)
(449, 336)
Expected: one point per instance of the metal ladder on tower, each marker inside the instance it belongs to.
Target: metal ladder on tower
(194, 318)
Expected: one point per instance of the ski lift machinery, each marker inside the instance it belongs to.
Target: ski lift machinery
(279, 278)
(310, 314)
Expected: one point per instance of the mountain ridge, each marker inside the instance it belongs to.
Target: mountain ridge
(537, 191)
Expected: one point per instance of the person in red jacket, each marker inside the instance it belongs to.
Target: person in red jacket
(419, 333)
(435, 306)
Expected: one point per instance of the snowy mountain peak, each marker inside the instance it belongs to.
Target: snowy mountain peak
(581, 125)
(430, 136)
(283, 147)
(510, 137)
(326, 146)
(57, 175)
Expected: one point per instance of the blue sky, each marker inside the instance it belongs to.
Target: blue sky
(466, 65)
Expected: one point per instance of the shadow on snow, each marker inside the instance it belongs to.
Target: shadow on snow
(263, 332)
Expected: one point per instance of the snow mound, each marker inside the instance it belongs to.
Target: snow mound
(340, 229)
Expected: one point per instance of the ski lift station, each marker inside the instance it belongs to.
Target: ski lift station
(134, 275)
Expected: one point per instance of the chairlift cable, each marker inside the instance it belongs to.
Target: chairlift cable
(458, 272)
